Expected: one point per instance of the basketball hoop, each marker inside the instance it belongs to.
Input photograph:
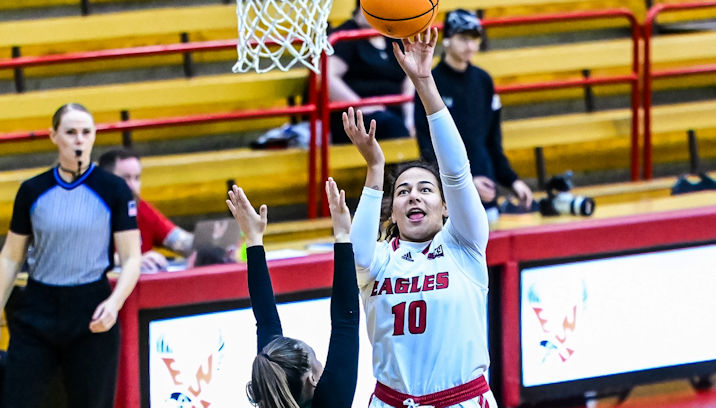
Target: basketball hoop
(280, 33)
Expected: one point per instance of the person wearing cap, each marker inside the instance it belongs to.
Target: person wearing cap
(469, 93)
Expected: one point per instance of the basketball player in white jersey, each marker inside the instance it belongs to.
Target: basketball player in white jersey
(424, 287)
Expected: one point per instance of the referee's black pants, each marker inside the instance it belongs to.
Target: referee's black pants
(50, 329)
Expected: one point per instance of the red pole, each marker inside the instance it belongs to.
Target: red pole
(646, 93)
(635, 35)
(313, 98)
(325, 124)
(649, 76)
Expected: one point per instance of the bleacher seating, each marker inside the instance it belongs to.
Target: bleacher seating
(602, 137)
(174, 97)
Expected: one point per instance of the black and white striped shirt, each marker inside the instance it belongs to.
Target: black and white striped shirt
(71, 224)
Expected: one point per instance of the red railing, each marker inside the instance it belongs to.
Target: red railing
(313, 108)
(633, 78)
(649, 74)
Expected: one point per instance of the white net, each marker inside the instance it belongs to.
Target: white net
(280, 33)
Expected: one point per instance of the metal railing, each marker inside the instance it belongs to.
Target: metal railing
(318, 104)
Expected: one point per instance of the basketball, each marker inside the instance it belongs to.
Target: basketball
(400, 18)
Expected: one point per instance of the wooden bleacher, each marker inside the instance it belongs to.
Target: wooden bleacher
(175, 97)
(195, 183)
(590, 141)
(164, 26)
(229, 92)
(612, 200)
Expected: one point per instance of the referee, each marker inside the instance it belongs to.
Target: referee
(66, 223)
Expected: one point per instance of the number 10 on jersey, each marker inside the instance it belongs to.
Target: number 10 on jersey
(417, 315)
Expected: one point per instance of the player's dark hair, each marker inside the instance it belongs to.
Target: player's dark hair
(391, 229)
(276, 374)
(109, 159)
(60, 112)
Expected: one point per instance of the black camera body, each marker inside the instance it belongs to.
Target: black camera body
(560, 201)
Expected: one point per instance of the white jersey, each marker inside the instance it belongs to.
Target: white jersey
(436, 293)
(425, 303)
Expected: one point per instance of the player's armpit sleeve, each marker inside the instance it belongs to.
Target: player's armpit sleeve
(364, 229)
(263, 304)
(337, 385)
(465, 209)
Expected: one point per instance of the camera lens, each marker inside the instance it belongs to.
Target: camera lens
(582, 205)
(566, 203)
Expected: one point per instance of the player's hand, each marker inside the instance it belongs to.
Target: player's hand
(416, 58)
(486, 188)
(523, 192)
(252, 224)
(365, 141)
(340, 216)
(105, 316)
(153, 262)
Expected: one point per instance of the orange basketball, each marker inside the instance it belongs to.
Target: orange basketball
(400, 18)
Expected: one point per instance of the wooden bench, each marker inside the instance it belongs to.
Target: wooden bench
(601, 140)
(165, 25)
(189, 184)
(195, 183)
(31, 110)
(176, 97)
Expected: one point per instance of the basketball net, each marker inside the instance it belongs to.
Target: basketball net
(280, 33)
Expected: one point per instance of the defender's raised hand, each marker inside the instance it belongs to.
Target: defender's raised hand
(365, 141)
(340, 216)
(252, 224)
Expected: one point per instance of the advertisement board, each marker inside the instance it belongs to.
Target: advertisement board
(583, 322)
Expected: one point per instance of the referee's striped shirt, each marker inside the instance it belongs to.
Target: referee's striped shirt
(71, 224)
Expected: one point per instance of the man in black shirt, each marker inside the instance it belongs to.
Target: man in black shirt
(469, 93)
(364, 68)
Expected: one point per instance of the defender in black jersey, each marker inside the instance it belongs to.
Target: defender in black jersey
(286, 372)
(66, 223)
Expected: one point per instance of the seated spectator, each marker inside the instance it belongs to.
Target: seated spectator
(363, 68)
(156, 230)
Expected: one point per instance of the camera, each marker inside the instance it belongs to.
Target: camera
(560, 201)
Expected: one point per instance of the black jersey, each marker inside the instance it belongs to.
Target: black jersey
(71, 224)
(337, 385)
(470, 97)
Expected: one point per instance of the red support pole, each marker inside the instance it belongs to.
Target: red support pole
(635, 36)
(649, 75)
(313, 100)
(510, 311)
(325, 125)
(646, 93)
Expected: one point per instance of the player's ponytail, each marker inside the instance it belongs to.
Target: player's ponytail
(276, 374)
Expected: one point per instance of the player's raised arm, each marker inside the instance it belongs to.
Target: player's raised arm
(366, 222)
(469, 219)
(263, 304)
(338, 382)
